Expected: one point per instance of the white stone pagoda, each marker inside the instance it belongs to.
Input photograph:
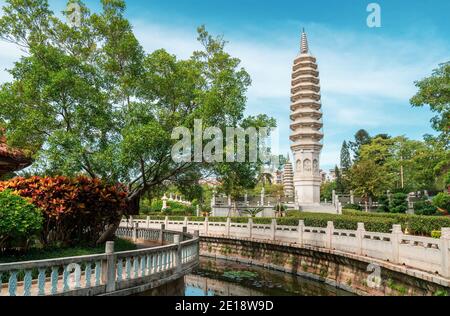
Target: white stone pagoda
(306, 127)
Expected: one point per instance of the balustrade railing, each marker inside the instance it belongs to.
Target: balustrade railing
(104, 273)
(423, 253)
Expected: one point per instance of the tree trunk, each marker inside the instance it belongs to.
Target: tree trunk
(133, 206)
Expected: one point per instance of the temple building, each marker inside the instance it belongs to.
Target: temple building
(11, 160)
(306, 126)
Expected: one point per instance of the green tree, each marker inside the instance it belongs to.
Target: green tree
(346, 159)
(89, 100)
(399, 203)
(362, 138)
(435, 92)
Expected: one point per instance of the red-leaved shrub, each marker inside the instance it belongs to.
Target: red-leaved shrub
(75, 210)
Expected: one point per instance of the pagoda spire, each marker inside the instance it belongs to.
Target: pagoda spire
(304, 43)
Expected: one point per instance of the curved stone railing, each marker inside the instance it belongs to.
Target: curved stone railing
(427, 254)
(105, 274)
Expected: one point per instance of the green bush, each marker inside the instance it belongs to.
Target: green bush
(399, 203)
(436, 234)
(415, 224)
(19, 220)
(442, 201)
(383, 202)
(425, 208)
(355, 207)
(349, 222)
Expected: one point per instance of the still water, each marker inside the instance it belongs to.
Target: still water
(224, 278)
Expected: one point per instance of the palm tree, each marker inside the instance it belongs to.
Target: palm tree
(265, 177)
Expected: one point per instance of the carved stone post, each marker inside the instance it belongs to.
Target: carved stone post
(185, 223)
(352, 197)
(131, 221)
(274, 229)
(330, 233)
(109, 268)
(228, 227)
(206, 225)
(263, 196)
(178, 264)
(148, 222)
(134, 233)
(161, 234)
(445, 244)
(301, 229)
(359, 238)
(250, 228)
(334, 197)
(396, 240)
(198, 211)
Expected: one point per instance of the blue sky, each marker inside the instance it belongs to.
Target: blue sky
(367, 74)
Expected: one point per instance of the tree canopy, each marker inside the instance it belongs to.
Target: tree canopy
(90, 100)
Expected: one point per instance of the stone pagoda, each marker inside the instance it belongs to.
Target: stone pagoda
(288, 179)
(306, 127)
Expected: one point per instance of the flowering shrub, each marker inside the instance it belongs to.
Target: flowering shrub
(74, 210)
(19, 220)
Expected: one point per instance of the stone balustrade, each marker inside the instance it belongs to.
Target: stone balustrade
(422, 253)
(111, 273)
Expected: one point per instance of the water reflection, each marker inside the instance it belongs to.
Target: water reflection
(223, 278)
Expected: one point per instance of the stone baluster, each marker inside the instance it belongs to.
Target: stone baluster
(250, 228)
(352, 197)
(396, 239)
(359, 238)
(148, 222)
(445, 244)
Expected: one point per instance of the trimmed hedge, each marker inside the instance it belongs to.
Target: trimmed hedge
(374, 222)
(415, 224)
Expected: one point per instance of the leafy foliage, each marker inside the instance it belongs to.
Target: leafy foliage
(355, 207)
(425, 208)
(442, 201)
(74, 210)
(399, 203)
(416, 225)
(19, 220)
(435, 92)
(89, 100)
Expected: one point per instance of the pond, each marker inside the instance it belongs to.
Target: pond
(226, 278)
